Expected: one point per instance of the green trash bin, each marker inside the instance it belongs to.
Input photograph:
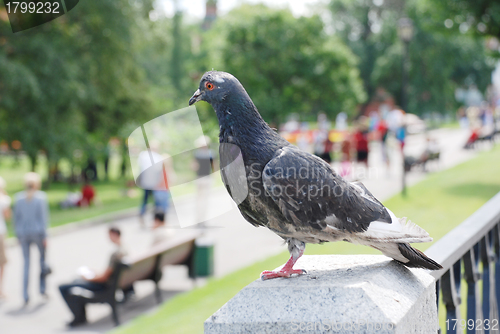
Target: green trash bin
(203, 258)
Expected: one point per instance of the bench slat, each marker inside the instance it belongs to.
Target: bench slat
(170, 252)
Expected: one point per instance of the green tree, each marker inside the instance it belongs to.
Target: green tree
(287, 64)
(73, 83)
(37, 91)
(368, 30)
(480, 16)
(438, 66)
(106, 37)
(440, 60)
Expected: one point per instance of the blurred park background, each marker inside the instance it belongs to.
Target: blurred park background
(73, 90)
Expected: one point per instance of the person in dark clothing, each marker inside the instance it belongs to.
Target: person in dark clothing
(72, 293)
(323, 145)
(203, 157)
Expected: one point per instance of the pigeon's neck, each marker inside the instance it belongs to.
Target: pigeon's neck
(239, 112)
(241, 124)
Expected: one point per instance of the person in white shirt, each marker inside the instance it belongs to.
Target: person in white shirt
(159, 231)
(4, 214)
(156, 173)
(150, 164)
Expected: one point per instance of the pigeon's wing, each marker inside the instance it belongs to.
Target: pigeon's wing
(365, 192)
(233, 173)
(309, 193)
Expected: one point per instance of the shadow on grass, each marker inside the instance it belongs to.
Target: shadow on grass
(478, 190)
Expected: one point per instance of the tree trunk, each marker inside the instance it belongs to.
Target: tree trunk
(33, 161)
(90, 171)
(106, 164)
(124, 159)
(49, 179)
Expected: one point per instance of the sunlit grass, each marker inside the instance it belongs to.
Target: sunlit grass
(112, 195)
(451, 125)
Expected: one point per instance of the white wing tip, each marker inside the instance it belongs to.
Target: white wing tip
(413, 229)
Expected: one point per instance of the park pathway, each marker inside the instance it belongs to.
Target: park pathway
(237, 244)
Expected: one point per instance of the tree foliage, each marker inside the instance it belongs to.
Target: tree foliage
(368, 30)
(104, 68)
(288, 65)
(480, 16)
(73, 82)
(440, 60)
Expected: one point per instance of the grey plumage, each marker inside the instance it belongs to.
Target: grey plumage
(295, 194)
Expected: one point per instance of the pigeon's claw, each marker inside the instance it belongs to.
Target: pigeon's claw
(267, 274)
(287, 269)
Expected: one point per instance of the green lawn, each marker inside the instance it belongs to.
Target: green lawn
(438, 204)
(110, 199)
(453, 125)
(110, 195)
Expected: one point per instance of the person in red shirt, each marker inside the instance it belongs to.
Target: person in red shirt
(88, 194)
(473, 138)
(361, 144)
(383, 131)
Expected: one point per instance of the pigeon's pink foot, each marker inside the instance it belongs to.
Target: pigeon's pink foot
(287, 270)
(266, 274)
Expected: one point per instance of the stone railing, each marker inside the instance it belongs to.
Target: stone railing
(340, 294)
(373, 294)
(474, 242)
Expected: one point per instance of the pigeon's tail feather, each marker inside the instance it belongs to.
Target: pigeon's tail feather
(400, 230)
(417, 259)
(411, 228)
(407, 255)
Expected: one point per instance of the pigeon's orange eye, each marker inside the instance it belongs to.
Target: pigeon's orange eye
(209, 85)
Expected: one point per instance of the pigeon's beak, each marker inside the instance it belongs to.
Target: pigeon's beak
(195, 98)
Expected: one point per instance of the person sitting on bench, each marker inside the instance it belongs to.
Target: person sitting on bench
(159, 230)
(91, 281)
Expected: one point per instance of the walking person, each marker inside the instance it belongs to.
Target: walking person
(383, 131)
(4, 215)
(361, 144)
(161, 192)
(31, 215)
(151, 167)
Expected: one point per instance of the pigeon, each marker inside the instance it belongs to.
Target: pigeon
(295, 194)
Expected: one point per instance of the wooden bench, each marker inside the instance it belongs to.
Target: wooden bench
(411, 162)
(148, 266)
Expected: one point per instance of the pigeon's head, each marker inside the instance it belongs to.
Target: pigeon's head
(215, 87)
